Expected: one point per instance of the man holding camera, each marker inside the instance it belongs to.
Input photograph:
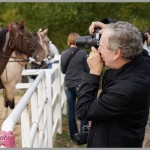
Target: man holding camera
(119, 114)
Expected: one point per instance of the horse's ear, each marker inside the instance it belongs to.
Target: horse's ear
(21, 24)
(45, 31)
(40, 30)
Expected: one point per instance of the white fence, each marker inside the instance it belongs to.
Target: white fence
(40, 108)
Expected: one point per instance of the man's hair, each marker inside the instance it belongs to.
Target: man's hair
(126, 37)
(72, 38)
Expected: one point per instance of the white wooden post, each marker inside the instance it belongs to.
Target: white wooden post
(41, 123)
(25, 128)
(34, 112)
(58, 84)
(45, 140)
(45, 126)
(49, 109)
(63, 96)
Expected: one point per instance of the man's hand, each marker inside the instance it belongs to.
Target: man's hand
(95, 62)
(96, 25)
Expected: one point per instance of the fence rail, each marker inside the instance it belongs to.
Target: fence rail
(42, 119)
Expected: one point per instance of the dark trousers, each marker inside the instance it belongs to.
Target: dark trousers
(71, 94)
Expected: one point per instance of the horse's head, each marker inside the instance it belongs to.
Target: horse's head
(24, 42)
(44, 41)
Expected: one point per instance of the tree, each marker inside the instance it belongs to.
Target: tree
(62, 18)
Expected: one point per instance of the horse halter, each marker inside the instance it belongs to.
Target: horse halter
(31, 45)
(11, 41)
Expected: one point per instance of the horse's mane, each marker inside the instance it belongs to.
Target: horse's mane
(2, 37)
(35, 35)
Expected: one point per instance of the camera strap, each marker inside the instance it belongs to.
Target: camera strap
(70, 57)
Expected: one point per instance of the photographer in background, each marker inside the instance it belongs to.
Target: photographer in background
(147, 40)
(73, 65)
(119, 114)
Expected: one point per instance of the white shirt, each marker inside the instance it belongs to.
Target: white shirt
(54, 48)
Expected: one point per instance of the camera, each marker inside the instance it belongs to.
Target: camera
(81, 138)
(94, 39)
(89, 41)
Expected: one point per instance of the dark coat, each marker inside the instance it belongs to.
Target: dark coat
(119, 115)
(77, 65)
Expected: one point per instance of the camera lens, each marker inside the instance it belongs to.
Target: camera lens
(83, 41)
(86, 42)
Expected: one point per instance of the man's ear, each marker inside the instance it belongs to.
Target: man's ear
(117, 54)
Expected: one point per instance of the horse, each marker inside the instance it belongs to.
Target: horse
(45, 42)
(10, 76)
(17, 38)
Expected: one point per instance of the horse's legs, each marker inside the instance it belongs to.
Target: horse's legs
(12, 104)
(4, 114)
(8, 100)
(9, 103)
(5, 101)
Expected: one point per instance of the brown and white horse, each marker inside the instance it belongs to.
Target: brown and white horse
(12, 73)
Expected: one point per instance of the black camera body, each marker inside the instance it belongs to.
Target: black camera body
(81, 138)
(94, 39)
(89, 41)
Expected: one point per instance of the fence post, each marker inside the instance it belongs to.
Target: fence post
(45, 115)
(49, 109)
(57, 66)
(25, 128)
(63, 96)
(34, 110)
(41, 99)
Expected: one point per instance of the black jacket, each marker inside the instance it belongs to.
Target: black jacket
(78, 64)
(119, 115)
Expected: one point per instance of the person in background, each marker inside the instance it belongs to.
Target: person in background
(54, 48)
(146, 44)
(55, 51)
(120, 113)
(73, 65)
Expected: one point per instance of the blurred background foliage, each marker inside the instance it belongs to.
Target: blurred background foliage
(61, 18)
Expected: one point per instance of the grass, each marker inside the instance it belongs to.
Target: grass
(63, 140)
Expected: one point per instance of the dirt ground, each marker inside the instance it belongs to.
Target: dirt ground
(17, 128)
(146, 142)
